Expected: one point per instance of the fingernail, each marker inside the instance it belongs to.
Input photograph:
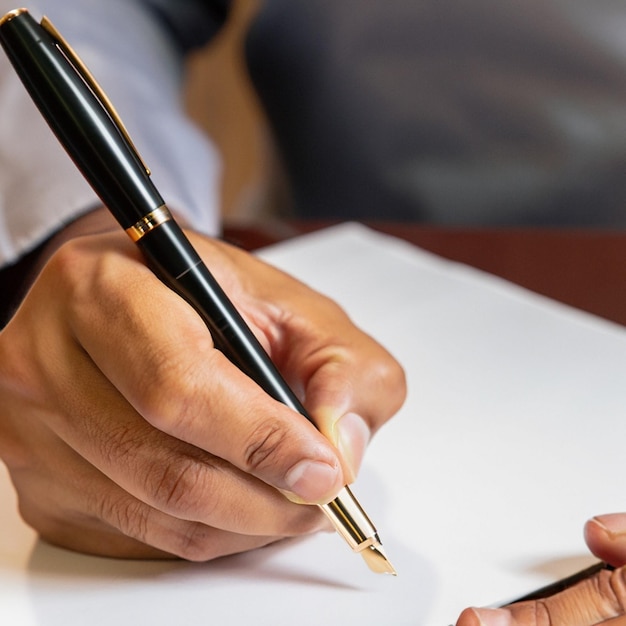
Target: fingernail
(489, 617)
(352, 436)
(312, 481)
(606, 537)
(613, 525)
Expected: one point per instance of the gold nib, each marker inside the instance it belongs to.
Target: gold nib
(377, 560)
(352, 523)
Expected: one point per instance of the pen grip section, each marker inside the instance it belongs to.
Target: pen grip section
(351, 521)
(178, 265)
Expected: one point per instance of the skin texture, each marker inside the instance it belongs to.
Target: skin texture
(127, 434)
(597, 600)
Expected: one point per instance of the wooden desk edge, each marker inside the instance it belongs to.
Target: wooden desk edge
(583, 268)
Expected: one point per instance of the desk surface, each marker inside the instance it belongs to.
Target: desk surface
(582, 268)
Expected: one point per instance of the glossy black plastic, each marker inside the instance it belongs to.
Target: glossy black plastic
(176, 262)
(78, 119)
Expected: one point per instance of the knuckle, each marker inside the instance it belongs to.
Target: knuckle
(128, 515)
(181, 487)
(175, 389)
(176, 485)
(121, 441)
(201, 543)
(264, 445)
(615, 591)
(542, 613)
(67, 266)
(172, 391)
(79, 277)
(196, 543)
(65, 259)
(106, 274)
(605, 593)
(132, 518)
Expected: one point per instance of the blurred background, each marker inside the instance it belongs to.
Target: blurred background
(492, 112)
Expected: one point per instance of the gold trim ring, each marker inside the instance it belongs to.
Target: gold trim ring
(11, 14)
(149, 222)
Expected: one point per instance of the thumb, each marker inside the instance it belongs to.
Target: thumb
(349, 433)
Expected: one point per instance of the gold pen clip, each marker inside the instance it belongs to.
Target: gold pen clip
(86, 75)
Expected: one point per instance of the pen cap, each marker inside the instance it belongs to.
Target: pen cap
(79, 119)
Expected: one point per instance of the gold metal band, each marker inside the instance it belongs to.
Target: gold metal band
(11, 14)
(148, 222)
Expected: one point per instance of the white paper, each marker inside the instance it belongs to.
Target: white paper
(512, 436)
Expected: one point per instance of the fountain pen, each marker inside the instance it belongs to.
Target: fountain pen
(89, 128)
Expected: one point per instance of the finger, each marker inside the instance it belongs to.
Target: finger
(590, 602)
(170, 475)
(304, 330)
(172, 375)
(606, 537)
(83, 510)
(349, 384)
(350, 396)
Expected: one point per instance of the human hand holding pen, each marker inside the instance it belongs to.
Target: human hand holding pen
(599, 599)
(126, 433)
(87, 125)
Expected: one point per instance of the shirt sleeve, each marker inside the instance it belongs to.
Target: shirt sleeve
(137, 56)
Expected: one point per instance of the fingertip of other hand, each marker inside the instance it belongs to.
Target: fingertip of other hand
(485, 617)
(606, 537)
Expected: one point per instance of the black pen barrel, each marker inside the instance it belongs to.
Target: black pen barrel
(172, 257)
(88, 133)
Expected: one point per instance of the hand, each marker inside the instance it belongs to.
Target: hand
(597, 600)
(127, 434)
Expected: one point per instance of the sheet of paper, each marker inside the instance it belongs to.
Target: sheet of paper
(512, 436)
